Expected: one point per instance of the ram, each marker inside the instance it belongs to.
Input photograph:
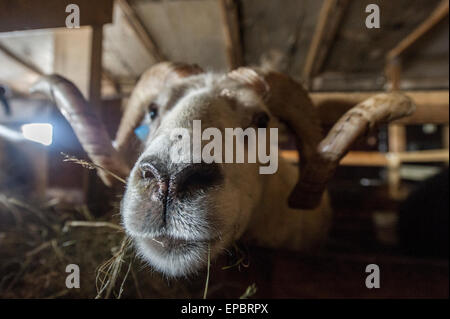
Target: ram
(178, 212)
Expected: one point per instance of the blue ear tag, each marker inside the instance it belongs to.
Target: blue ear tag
(142, 132)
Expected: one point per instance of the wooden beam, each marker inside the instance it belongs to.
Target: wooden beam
(423, 156)
(73, 61)
(328, 22)
(397, 138)
(95, 68)
(377, 159)
(436, 16)
(31, 67)
(396, 132)
(230, 25)
(30, 14)
(353, 158)
(445, 138)
(139, 29)
(393, 70)
(431, 106)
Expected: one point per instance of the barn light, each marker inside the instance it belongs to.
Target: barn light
(38, 132)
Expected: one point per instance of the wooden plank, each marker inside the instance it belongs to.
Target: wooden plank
(278, 41)
(445, 138)
(139, 29)
(397, 138)
(32, 51)
(436, 16)
(328, 23)
(377, 159)
(187, 31)
(95, 68)
(73, 61)
(333, 24)
(424, 156)
(393, 70)
(30, 14)
(431, 106)
(230, 25)
(19, 60)
(353, 158)
(363, 51)
(125, 57)
(396, 132)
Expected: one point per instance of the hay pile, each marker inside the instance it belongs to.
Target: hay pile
(38, 241)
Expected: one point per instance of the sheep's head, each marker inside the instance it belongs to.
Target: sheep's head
(177, 210)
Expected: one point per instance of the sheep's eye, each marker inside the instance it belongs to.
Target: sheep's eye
(153, 111)
(261, 120)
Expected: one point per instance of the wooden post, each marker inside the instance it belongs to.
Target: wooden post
(92, 186)
(328, 22)
(19, 60)
(78, 57)
(439, 13)
(230, 23)
(95, 68)
(396, 133)
(445, 139)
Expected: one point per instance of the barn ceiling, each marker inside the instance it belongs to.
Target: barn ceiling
(270, 33)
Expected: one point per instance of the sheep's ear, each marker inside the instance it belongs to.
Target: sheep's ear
(146, 90)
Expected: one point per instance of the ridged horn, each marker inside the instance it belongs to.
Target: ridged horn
(319, 157)
(89, 130)
(355, 123)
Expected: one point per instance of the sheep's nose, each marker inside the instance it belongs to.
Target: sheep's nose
(180, 181)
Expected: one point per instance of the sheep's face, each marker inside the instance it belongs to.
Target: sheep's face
(176, 211)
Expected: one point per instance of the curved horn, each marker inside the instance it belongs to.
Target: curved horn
(148, 87)
(319, 158)
(89, 130)
(356, 122)
(288, 101)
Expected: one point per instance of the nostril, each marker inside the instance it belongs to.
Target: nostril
(155, 181)
(197, 177)
(200, 178)
(147, 171)
(147, 174)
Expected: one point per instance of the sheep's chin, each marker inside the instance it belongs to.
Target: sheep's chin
(174, 257)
